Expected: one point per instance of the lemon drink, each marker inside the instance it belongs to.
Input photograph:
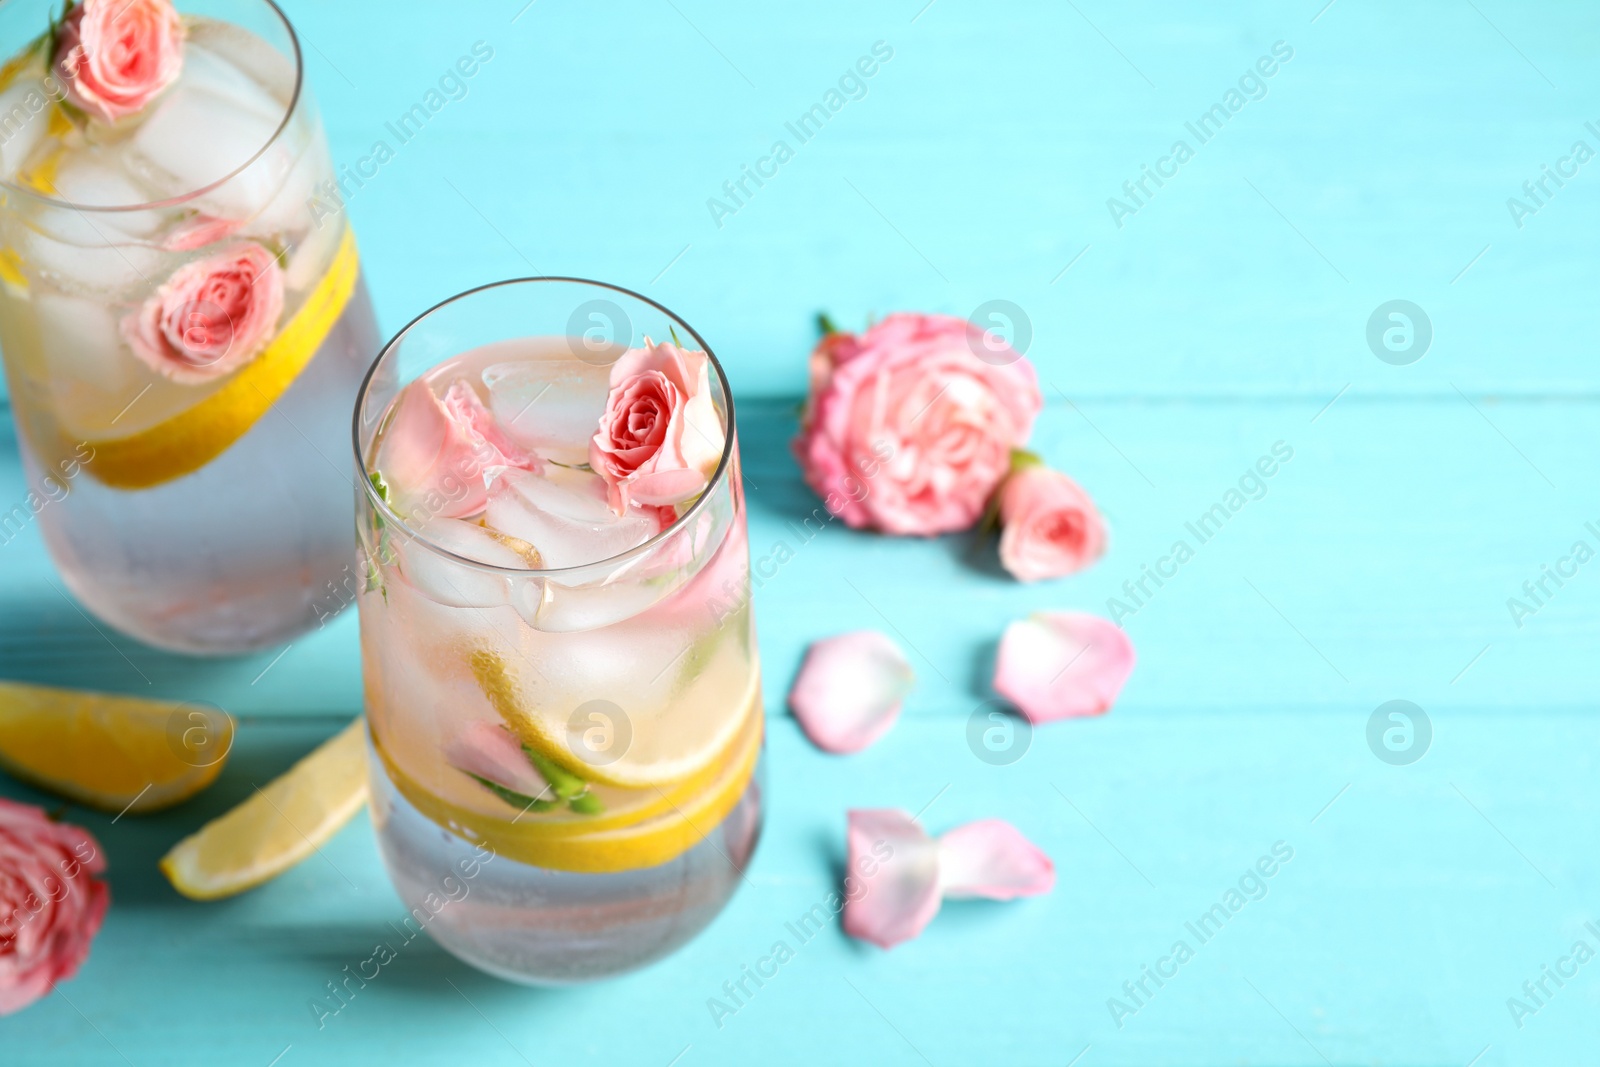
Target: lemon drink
(563, 698)
(184, 325)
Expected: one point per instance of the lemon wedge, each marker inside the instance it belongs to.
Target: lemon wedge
(278, 826)
(116, 753)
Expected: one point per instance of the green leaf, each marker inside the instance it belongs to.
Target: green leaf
(380, 528)
(586, 804)
(566, 784)
(521, 801)
(673, 330)
(1022, 459)
(825, 325)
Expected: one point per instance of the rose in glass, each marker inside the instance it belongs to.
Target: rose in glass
(210, 317)
(660, 439)
(115, 56)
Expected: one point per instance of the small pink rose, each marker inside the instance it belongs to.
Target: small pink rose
(50, 905)
(661, 438)
(907, 430)
(115, 56)
(211, 317)
(438, 455)
(1050, 527)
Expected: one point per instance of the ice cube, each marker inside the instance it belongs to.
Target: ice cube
(220, 76)
(248, 54)
(83, 341)
(576, 608)
(563, 513)
(196, 136)
(552, 406)
(310, 257)
(90, 181)
(83, 254)
(449, 582)
(22, 126)
(287, 214)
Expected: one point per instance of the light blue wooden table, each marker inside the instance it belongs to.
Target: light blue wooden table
(1227, 311)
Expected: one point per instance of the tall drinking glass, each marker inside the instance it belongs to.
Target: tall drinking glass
(182, 315)
(562, 689)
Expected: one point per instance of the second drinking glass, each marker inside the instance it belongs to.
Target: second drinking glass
(182, 315)
(558, 649)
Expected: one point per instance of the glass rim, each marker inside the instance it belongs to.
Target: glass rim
(184, 198)
(608, 563)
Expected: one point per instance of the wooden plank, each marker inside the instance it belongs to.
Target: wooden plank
(1378, 563)
(1223, 317)
(979, 165)
(1415, 904)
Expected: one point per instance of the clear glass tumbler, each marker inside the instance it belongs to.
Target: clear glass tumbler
(182, 315)
(563, 701)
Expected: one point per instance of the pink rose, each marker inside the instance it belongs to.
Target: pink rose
(1050, 526)
(50, 907)
(437, 455)
(115, 56)
(661, 438)
(211, 317)
(906, 430)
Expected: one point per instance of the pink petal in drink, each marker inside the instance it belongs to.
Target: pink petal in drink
(438, 454)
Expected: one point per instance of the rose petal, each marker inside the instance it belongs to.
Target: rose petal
(1065, 664)
(198, 232)
(489, 751)
(849, 690)
(464, 405)
(990, 858)
(437, 454)
(899, 864)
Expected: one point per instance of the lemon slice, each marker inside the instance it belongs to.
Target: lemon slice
(657, 753)
(278, 826)
(116, 753)
(684, 818)
(194, 437)
(663, 838)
